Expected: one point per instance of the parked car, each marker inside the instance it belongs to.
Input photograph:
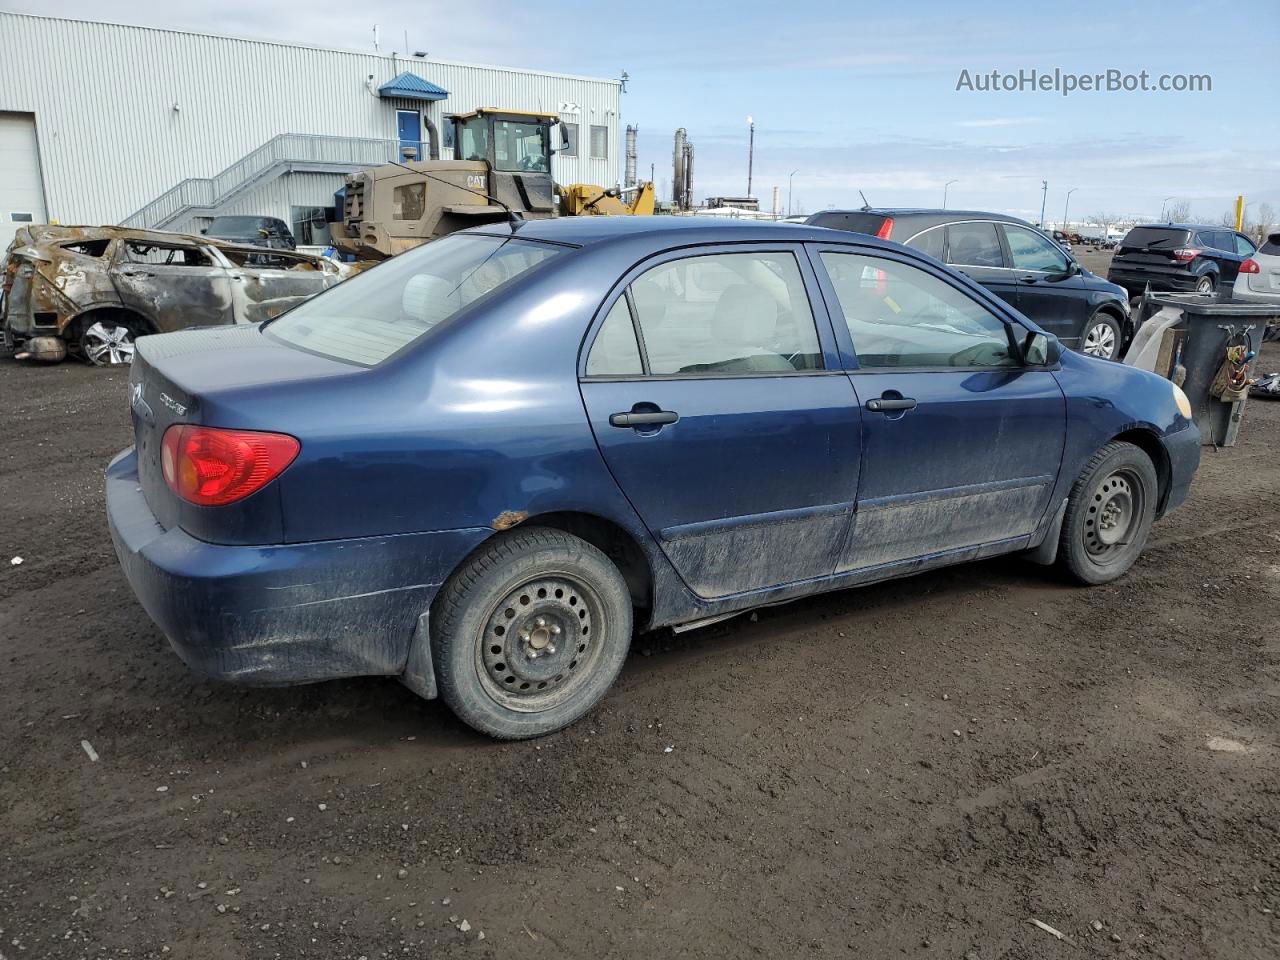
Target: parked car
(1259, 278)
(93, 290)
(1179, 256)
(252, 231)
(481, 465)
(1014, 260)
(1063, 240)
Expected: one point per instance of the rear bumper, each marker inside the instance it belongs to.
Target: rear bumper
(279, 614)
(1183, 448)
(1135, 282)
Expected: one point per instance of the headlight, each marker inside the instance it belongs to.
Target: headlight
(1180, 398)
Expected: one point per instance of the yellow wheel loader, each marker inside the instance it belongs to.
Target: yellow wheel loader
(501, 168)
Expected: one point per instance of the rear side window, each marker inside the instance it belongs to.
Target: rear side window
(737, 313)
(1215, 240)
(900, 316)
(615, 351)
(1244, 246)
(1272, 246)
(932, 242)
(974, 244)
(369, 317)
(164, 256)
(1154, 238)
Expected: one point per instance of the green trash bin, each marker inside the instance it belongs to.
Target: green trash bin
(1184, 338)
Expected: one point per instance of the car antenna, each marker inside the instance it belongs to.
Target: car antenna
(866, 205)
(513, 218)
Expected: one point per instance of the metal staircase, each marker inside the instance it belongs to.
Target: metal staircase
(284, 153)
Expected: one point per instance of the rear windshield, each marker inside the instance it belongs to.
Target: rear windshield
(374, 314)
(1272, 246)
(237, 226)
(1155, 238)
(857, 222)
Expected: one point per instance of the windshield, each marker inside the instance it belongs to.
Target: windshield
(520, 146)
(236, 226)
(374, 314)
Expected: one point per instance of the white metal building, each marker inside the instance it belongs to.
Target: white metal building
(105, 123)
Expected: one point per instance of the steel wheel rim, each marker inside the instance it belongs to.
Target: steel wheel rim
(106, 345)
(1100, 341)
(1115, 514)
(540, 643)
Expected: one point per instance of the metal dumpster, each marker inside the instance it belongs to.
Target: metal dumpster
(1185, 337)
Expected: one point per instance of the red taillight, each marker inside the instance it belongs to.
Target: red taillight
(886, 228)
(1250, 266)
(210, 467)
(1186, 253)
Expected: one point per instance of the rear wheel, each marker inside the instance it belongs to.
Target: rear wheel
(1101, 337)
(107, 340)
(530, 633)
(1205, 285)
(1109, 514)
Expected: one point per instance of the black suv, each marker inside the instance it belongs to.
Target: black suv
(1179, 256)
(255, 231)
(1013, 260)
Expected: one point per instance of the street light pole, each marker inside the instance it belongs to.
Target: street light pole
(1064, 208)
(751, 150)
(944, 192)
(790, 177)
(1044, 184)
(1162, 203)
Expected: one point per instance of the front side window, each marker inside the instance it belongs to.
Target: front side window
(1034, 251)
(900, 316)
(520, 146)
(974, 244)
(369, 317)
(733, 313)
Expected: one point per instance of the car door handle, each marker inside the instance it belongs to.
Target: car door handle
(1028, 279)
(135, 273)
(654, 419)
(889, 404)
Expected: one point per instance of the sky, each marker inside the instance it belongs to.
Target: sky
(860, 96)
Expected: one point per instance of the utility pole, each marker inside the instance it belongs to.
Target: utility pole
(1064, 208)
(1044, 184)
(1162, 203)
(790, 177)
(944, 192)
(751, 150)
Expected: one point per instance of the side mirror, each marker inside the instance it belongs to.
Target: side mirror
(564, 137)
(205, 231)
(1041, 349)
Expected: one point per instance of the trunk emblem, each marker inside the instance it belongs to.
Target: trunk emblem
(139, 403)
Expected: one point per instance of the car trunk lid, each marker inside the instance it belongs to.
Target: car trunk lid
(1152, 245)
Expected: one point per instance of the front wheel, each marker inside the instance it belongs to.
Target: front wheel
(1109, 514)
(530, 633)
(1101, 337)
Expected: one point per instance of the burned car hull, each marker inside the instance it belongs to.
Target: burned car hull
(92, 291)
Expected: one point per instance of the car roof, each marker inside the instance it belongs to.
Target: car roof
(1181, 226)
(588, 231)
(903, 212)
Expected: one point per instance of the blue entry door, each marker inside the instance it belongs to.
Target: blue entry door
(409, 129)
(728, 425)
(962, 442)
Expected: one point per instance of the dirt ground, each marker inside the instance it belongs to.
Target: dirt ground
(914, 769)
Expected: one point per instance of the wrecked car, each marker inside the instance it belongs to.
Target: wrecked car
(92, 291)
(480, 466)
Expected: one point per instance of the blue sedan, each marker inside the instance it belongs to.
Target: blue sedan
(480, 466)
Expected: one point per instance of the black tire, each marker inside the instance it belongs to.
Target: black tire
(529, 633)
(1102, 337)
(1206, 284)
(1109, 514)
(106, 338)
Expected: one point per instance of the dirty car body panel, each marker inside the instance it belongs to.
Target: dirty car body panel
(57, 279)
(735, 484)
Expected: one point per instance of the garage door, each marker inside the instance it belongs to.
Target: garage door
(21, 190)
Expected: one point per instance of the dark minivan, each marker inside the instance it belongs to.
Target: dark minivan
(1013, 260)
(1179, 256)
(254, 231)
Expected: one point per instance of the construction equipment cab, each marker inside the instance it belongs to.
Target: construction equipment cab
(501, 163)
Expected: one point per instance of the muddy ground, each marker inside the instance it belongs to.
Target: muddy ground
(914, 769)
